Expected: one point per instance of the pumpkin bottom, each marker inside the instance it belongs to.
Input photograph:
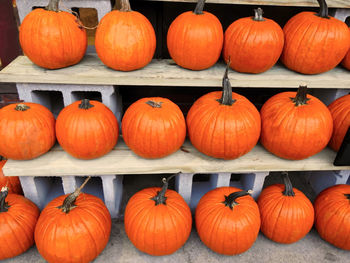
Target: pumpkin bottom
(15, 250)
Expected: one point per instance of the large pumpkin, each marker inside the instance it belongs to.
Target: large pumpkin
(340, 110)
(223, 124)
(87, 129)
(287, 215)
(295, 125)
(315, 42)
(12, 182)
(73, 228)
(154, 127)
(27, 130)
(332, 215)
(254, 44)
(18, 217)
(125, 39)
(52, 38)
(227, 220)
(157, 220)
(195, 39)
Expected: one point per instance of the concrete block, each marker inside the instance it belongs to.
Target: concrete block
(327, 96)
(320, 180)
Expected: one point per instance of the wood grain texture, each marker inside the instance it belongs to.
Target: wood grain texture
(91, 71)
(121, 160)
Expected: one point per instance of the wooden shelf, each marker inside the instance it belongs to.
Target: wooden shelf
(121, 160)
(91, 71)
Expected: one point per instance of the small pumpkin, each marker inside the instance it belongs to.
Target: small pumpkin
(125, 39)
(315, 42)
(223, 124)
(154, 127)
(27, 130)
(287, 215)
(157, 220)
(295, 125)
(227, 220)
(18, 217)
(87, 129)
(52, 38)
(340, 110)
(332, 215)
(195, 39)
(254, 44)
(73, 228)
(12, 182)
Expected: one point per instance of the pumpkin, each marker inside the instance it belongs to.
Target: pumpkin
(314, 42)
(18, 217)
(227, 220)
(340, 110)
(12, 182)
(332, 215)
(254, 44)
(157, 220)
(223, 124)
(154, 127)
(73, 228)
(27, 130)
(287, 215)
(195, 39)
(295, 125)
(52, 38)
(125, 39)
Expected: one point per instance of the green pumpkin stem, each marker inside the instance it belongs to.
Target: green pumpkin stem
(230, 200)
(160, 198)
(301, 97)
(154, 104)
(69, 201)
(4, 206)
(124, 6)
(85, 104)
(323, 9)
(288, 187)
(21, 107)
(258, 15)
(199, 7)
(53, 6)
(226, 98)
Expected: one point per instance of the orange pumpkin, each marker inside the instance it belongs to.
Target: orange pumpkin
(295, 125)
(125, 39)
(27, 130)
(87, 129)
(287, 215)
(157, 220)
(154, 127)
(227, 220)
(18, 217)
(332, 215)
(254, 44)
(340, 110)
(195, 39)
(12, 182)
(223, 124)
(52, 38)
(315, 42)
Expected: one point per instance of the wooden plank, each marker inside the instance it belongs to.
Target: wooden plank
(166, 73)
(123, 161)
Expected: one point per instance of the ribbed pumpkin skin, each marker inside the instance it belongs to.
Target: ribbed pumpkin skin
(26, 134)
(125, 40)
(313, 44)
(226, 231)
(12, 182)
(154, 132)
(51, 39)
(340, 110)
(157, 229)
(223, 131)
(253, 46)
(76, 237)
(17, 226)
(295, 132)
(332, 215)
(195, 41)
(285, 219)
(87, 134)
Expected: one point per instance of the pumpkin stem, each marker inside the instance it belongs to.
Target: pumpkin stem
(199, 7)
(323, 9)
(258, 15)
(4, 206)
(226, 98)
(85, 104)
(288, 190)
(125, 6)
(68, 203)
(22, 107)
(160, 198)
(154, 104)
(2, 158)
(300, 98)
(230, 200)
(53, 6)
